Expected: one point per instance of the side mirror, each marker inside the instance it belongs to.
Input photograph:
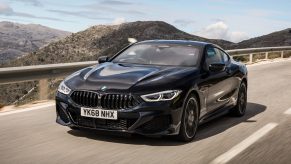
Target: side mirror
(103, 59)
(216, 67)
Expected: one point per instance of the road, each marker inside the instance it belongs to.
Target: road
(263, 135)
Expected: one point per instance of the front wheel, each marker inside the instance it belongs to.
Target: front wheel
(189, 121)
(240, 109)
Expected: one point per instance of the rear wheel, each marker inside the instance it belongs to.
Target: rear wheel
(189, 121)
(240, 109)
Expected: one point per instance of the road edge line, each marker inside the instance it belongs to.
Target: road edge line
(288, 111)
(230, 154)
(27, 109)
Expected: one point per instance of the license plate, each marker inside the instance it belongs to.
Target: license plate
(99, 113)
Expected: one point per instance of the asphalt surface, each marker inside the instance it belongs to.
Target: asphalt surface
(34, 137)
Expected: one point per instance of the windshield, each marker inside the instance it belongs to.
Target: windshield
(160, 54)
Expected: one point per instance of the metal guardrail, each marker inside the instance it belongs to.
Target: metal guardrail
(43, 72)
(37, 72)
(40, 72)
(258, 50)
(251, 51)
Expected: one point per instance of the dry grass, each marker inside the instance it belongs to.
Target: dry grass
(274, 55)
(243, 59)
(287, 54)
(262, 56)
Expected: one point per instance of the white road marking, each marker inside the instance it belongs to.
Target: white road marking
(27, 109)
(227, 156)
(288, 111)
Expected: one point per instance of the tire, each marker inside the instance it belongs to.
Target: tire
(240, 109)
(189, 121)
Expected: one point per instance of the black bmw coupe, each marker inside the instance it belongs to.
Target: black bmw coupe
(155, 87)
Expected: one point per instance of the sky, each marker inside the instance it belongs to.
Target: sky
(233, 20)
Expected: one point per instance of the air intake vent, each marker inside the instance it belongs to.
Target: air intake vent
(85, 98)
(117, 101)
(106, 101)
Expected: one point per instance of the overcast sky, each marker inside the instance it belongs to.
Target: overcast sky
(233, 20)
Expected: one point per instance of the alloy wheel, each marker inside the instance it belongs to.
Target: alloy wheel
(190, 118)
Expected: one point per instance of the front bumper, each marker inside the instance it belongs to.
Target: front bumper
(158, 118)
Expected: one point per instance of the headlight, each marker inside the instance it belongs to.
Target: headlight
(161, 96)
(63, 88)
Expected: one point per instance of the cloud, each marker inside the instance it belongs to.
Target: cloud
(220, 30)
(5, 9)
(114, 2)
(8, 11)
(83, 14)
(116, 9)
(15, 20)
(118, 21)
(223, 2)
(184, 22)
(36, 3)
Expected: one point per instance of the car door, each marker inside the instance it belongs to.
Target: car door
(219, 82)
(233, 73)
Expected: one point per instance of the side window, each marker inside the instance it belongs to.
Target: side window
(213, 55)
(225, 57)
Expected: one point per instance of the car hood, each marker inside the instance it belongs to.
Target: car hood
(114, 76)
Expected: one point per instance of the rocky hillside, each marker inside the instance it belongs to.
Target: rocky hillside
(18, 39)
(88, 45)
(108, 40)
(279, 38)
(104, 40)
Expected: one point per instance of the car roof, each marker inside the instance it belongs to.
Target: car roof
(184, 42)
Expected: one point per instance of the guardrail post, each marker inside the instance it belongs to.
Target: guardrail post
(266, 55)
(43, 89)
(251, 58)
(282, 54)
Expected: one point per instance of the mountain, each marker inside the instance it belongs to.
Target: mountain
(108, 40)
(104, 40)
(279, 38)
(88, 45)
(18, 39)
